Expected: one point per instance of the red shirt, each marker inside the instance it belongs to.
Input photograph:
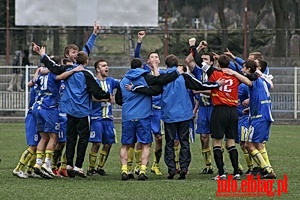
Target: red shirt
(226, 94)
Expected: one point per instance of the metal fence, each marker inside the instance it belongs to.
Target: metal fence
(285, 97)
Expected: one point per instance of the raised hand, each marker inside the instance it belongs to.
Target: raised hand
(192, 42)
(141, 35)
(202, 45)
(97, 27)
(35, 48)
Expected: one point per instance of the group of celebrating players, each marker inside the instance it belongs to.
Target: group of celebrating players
(229, 97)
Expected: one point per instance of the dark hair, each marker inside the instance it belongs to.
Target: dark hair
(136, 63)
(250, 64)
(69, 47)
(211, 56)
(184, 68)
(149, 54)
(171, 60)
(82, 58)
(223, 61)
(262, 64)
(97, 63)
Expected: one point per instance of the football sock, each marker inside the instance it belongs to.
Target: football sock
(63, 161)
(124, 169)
(264, 154)
(56, 155)
(92, 160)
(248, 159)
(130, 159)
(234, 158)
(219, 159)
(143, 169)
(138, 155)
(48, 158)
(207, 156)
(260, 161)
(25, 157)
(31, 163)
(176, 151)
(102, 158)
(40, 157)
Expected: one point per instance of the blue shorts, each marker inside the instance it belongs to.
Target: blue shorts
(32, 136)
(62, 120)
(203, 121)
(156, 122)
(47, 120)
(259, 131)
(137, 131)
(103, 131)
(243, 126)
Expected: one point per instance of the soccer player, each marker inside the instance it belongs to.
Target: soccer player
(177, 111)
(156, 107)
(102, 125)
(224, 117)
(205, 109)
(137, 111)
(243, 123)
(47, 115)
(32, 137)
(260, 118)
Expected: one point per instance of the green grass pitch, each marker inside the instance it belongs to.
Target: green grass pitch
(283, 150)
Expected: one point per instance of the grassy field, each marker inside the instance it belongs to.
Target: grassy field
(282, 149)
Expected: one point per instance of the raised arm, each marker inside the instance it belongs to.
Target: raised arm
(91, 41)
(137, 50)
(194, 52)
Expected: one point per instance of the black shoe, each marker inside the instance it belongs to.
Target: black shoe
(130, 176)
(142, 177)
(207, 170)
(182, 175)
(91, 172)
(71, 173)
(101, 172)
(171, 175)
(271, 175)
(124, 176)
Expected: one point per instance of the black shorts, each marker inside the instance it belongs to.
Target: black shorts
(224, 121)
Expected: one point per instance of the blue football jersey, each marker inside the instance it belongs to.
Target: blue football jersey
(104, 109)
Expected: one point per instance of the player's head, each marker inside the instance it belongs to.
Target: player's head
(261, 64)
(223, 61)
(183, 67)
(152, 56)
(82, 58)
(71, 51)
(208, 58)
(171, 60)
(255, 55)
(249, 67)
(101, 67)
(136, 63)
